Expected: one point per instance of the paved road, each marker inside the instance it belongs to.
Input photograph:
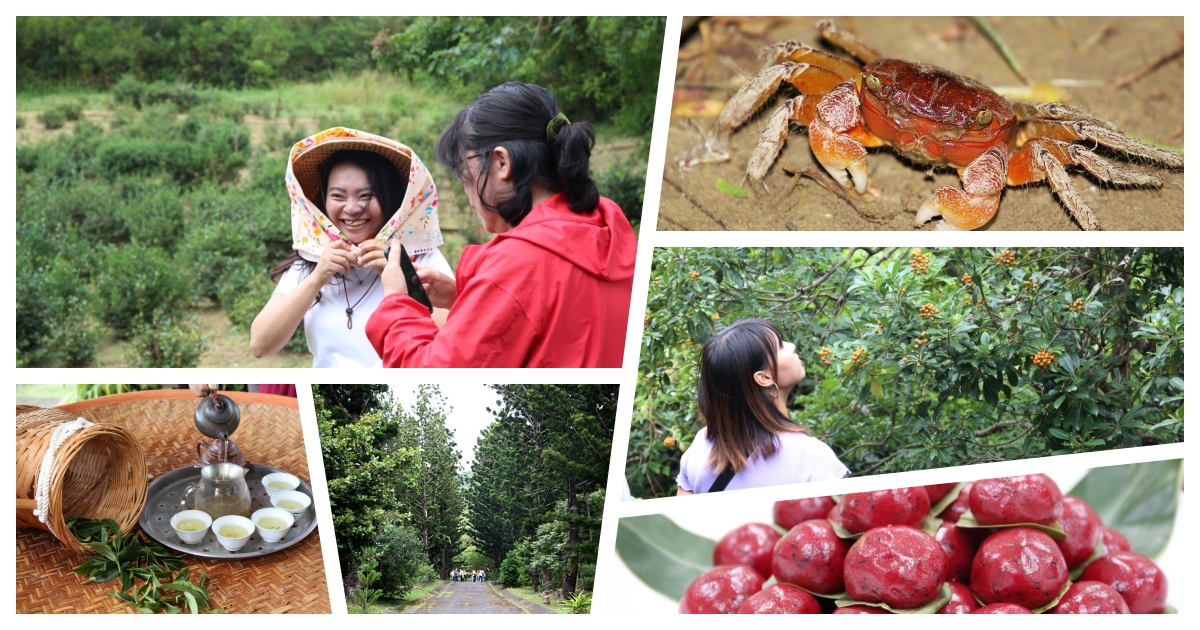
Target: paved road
(473, 598)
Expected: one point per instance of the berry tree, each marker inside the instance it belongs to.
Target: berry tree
(919, 359)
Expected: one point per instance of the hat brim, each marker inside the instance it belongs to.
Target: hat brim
(307, 165)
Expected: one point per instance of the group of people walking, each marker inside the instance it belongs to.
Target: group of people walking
(460, 575)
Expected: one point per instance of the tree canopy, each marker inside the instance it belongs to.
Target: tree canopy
(922, 359)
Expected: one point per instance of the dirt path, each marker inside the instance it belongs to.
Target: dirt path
(1085, 50)
(474, 598)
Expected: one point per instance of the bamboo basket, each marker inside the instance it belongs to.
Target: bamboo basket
(99, 472)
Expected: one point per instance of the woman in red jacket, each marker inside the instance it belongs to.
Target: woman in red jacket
(552, 288)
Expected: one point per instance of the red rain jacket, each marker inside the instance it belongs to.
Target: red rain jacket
(552, 292)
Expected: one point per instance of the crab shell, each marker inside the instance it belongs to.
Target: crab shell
(930, 115)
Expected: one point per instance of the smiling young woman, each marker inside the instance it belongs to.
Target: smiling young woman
(351, 192)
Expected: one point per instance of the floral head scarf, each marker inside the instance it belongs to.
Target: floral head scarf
(414, 224)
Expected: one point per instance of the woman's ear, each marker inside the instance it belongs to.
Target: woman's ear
(501, 164)
(763, 378)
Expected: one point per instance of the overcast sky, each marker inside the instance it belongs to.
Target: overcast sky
(468, 415)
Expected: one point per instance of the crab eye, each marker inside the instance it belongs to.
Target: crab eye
(983, 117)
(874, 84)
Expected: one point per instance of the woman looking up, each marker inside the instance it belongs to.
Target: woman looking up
(747, 372)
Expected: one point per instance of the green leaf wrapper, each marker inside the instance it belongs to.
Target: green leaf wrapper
(950, 497)
(928, 609)
(1055, 531)
(665, 556)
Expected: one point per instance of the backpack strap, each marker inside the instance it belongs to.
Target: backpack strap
(723, 479)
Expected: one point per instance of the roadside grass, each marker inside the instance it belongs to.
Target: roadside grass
(526, 593)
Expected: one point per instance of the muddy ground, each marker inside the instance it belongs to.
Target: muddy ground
(1080, 49)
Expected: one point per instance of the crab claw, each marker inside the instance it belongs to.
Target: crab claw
(973, 205)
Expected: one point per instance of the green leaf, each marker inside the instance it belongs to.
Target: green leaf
(928, 609)
(1054, 602)
(1098, 552)
(842, 532)
(104, 550)
(1055, 531)
(1138, 500)
(191, 603)
(876, 388)
(663, 555)
(950, 497)
(730, 189)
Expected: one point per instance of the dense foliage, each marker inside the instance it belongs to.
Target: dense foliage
(228, 52)
(393, 483)
(919, 360)
(536, 495)
(132, 226)
(599, 68)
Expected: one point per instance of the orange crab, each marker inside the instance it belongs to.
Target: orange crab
(931, 116)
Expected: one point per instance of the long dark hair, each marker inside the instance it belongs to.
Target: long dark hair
(741, 415)
(517, 116)
(386, 183)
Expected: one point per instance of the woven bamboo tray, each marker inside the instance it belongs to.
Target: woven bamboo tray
(270, 433)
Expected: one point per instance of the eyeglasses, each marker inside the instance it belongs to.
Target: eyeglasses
(469, 157)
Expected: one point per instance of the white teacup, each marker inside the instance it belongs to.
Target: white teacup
(191, 537)
(233, 543)
(280, 478)
(287, 497)
(272, 535)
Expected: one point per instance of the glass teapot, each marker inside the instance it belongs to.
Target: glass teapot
(222, 491)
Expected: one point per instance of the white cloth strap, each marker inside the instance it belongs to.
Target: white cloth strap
(60, 435)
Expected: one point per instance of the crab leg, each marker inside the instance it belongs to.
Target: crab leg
(848, 42)
(796, 52)
(807, 78)
(975, 203)
(1059, 122)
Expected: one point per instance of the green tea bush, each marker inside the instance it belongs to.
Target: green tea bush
(221, 146)
(180, 94)
(52, 118)
(135, 283)
(920, 360)
(53, 327)
(153, 211)
(92, 211)
(166, 341)
(129, 91)
(20, 121)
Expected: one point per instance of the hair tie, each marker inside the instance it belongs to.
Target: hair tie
(554, 125)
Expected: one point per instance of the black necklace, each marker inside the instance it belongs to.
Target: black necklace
(346, 290)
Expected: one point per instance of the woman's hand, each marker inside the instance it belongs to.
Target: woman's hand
(335, 259)
(441, 288)
(370, 254)
(393, 276)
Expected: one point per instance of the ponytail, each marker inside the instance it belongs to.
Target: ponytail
(544, 147)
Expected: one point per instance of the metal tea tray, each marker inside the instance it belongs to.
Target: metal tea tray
(163, 502)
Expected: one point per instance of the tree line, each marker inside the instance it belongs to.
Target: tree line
(529, 510)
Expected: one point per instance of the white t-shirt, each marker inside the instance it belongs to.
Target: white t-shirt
(331, 343)
(799, 458)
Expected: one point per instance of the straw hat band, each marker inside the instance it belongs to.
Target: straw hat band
(307, 161)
